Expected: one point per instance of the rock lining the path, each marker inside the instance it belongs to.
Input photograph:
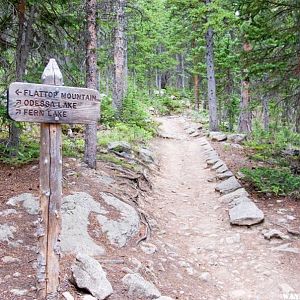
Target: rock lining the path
(236, 137)
(229, 185)
(139, 287)
(233, 195)
(89, 275)
(28, 201)
(224, 175)
(274, 233)
(245, 214)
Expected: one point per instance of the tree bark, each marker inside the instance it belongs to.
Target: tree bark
(90, 150)
(212, 98)
(196, 92)
(119, 85)
(245, 119)
(24, 42)
(266, 117)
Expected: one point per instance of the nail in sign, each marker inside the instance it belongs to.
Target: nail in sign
(42, 103)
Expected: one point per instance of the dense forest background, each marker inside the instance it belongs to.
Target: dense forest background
(234, 63)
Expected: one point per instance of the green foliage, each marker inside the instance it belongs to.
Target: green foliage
(272, 180)
(73, 147)
(107, 112)
(27, 151)
(130, 133)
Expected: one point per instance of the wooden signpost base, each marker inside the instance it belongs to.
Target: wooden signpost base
(50, 198)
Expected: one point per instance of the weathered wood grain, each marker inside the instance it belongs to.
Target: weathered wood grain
(50, 199)
(45, 103)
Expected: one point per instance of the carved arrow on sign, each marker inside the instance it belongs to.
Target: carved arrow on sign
(18, 92)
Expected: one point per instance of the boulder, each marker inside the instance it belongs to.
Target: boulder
(138, 287)
(246, 213)
(236, 137)
(75, 238)
(28, 201)
(89, 275)
(217, 136)
(120, 230)
(229, 185)
(119, 146)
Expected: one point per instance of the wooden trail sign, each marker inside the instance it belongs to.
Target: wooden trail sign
(43, 103)
(51, 104)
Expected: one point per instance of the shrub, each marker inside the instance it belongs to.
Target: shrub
(278, 181)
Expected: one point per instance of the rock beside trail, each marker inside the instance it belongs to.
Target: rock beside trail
(28, 201)
(245, 213)
(75, 220)
(224, 175)
(218, 136)
(233, 195)
(119, 146)
(165, 298)
(146, 155)
(238, 201)
(121, 230)
(139, 287)
(89, 275)
(227, 186)
(236, 138)
(222, 169)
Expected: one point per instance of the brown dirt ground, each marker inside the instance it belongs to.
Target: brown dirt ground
(189, 227)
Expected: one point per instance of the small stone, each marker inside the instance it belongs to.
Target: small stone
(190, 130)
(195, 134)
(16, 274)
(8, 212)
(148, 248)
(165, 298)
(212, 161)
(205, 276)
(139, 287)
(10, 260)
(274, 233)
(227, 186)
(287, 248)
(19, 292)
(233, 239)
(68, 296)
(146, 155)
(238, 201)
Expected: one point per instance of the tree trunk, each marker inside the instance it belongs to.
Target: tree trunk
(90, 150)
(245, 114)
(266, 118)
(24, 42)
(245, 119)
(212, 98)
(119, 57)
(196, 92)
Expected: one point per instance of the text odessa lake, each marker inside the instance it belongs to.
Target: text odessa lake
(50, 104)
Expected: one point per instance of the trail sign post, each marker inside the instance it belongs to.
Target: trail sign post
(51, 104)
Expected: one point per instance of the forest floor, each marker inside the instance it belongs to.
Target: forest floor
(198, 254)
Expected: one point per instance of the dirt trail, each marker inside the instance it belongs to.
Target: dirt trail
(201, 255)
